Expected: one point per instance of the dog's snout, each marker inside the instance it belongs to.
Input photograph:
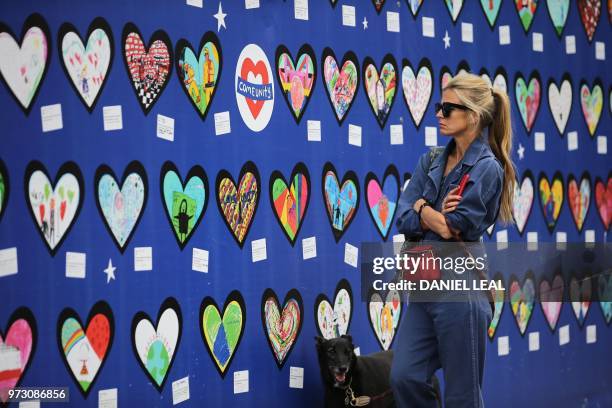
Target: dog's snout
(343, 369)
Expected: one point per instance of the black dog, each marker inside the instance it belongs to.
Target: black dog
(347, 377)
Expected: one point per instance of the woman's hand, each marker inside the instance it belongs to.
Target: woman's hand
(451, 201)
(417, 204)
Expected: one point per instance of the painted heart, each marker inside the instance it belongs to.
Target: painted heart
(290, 201)
(454, 8)
(557, 11)
(85, 350)
(580, 295)
(378, 5)
(17, 345)
(334, 321)
(499, 308)
(155, 345)
(414, 6)
(149, 67)
(499, 82)
(551, 300)
(579, 198)
(222, 333)
(341, 84)
(522, 298)
(407, 177)
(417, 89)
(382, 200)
(591, 101)
(238, 204)
(54, 206)
(590, 11)
(121, 205)
(185, 202)
(551, 198)
(491, 10)
(341, 202)
(333, 3)
(604, 291)
(282, 327)
(200, 74)
(385, 312)
(4, 187)
(446, 74)
(23, 66)
(490, 229)
(87, 65)
(523, 201)
(526, 11)
(603, 201)
(380, 87)
(528, 98)
(297, 81)
(560, 102)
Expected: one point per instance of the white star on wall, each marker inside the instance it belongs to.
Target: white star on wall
(220, 16)
(365, 23)
(110, 271)
(521, 151)
(446, 40)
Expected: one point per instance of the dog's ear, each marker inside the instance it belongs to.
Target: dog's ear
(319, 341)
(348, 337)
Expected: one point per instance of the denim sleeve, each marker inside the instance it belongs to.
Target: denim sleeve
(480, 197)
(408, 222)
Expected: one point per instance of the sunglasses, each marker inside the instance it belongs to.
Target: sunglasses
(448, 107)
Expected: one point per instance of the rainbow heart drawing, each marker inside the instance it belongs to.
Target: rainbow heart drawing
(290, 200)
(579, 198)
(282, 326)
(499, 301)
(551, 198)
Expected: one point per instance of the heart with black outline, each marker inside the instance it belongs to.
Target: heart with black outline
(551, 198)
(603, 200)
(238, 204)
(581, 296)
(380, 87)
(290, 201)
(414, 7)
(149, 67)
(378, 5)
(417, 89)
(446, 73)
(591, 102)
(382, 200)
(407, 177)
(523, 201)
(185, 202)
(499, 301)
(551, 299)
(84, 351)
(604, 295)
(296, 80)
(121, 205)
(528, 98)
(282, 327)
(522, 299)
(24, 64)
(334, 320)
(87, 66)
(558, 11)
(579, 198)
(490, 230)
(500, 82)
(155, 345)
(454, 11)
(384, 315)
(209, 63)
(54, 206)
(341, 202)
(18, 344)
(341, 83)
(560, 101)
(5, 188)
(590, 12)
(222, 332)
(526, 12)
(491, 8)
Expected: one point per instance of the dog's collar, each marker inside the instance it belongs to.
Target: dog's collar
(363, 400)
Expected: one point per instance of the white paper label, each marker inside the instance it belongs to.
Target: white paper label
(143, 259)
(296, 377)
(180, 390)
(258, 249)
(222, 123)
(300, 9)
(199, 262)
(561, 239)
(309, 248)
(502, 239)
(113, 119)
(75, 265)
(431, 136)
(504, 35)
(107, 398)
(29, 404)
(8, 262)
(241, 381)
(564, 335)
(165, 128)
(540, 142)
(350, 254)
(354, 136)
(602, 145)
(591, 334)
(600, 50)
(51, 117)
(467, 32)
(251, 4)
(314, 131)
(397, 134)
(399, 238)
(538, 42)
(570, 44)
(503, 346)
(572, 141)
(534, 341)
(348, 15)
(357, 351)
(532, 241)
(589, 236)
(429, 27)
(195, 3)
(393, 22)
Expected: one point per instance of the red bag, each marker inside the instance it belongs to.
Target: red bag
(428, 268)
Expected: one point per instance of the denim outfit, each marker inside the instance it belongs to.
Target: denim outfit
(451, 335)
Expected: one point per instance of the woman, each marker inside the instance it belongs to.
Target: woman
(453, 335)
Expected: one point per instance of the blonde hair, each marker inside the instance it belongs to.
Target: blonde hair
(490, 107)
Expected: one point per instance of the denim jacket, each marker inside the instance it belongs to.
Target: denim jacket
(480, 201)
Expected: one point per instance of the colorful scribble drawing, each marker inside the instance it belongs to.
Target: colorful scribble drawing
(341, 84)
(551, 200)
(239, 205)
(341, 203)
(282, 328)
(522, 300)
(290, 203)
(592, 105)
(296, 81)
(528, 100)
(16, 350)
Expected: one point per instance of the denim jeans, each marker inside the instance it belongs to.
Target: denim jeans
(450, 335)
